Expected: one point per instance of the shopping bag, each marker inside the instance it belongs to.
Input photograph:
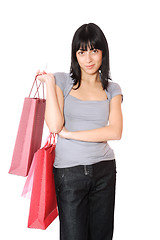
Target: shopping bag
(29, 134)
(40, 182)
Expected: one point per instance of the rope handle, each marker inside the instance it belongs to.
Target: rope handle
(50, 139)
(37, 86)
(50, 142)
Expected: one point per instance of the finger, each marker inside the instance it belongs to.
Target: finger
(38, 71)
(40, 78)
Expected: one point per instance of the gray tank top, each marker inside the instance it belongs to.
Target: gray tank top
(83, 115)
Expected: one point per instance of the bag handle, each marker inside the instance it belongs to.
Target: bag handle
(50, 139)
(37, 86)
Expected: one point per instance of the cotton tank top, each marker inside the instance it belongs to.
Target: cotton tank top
(82, 115)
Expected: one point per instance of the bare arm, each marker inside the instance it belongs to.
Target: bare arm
(54, 104)
(111, 132)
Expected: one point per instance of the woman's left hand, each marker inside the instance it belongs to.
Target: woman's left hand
(64, 133)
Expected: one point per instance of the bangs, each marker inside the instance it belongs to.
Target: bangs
(91, 42)
(85, 45)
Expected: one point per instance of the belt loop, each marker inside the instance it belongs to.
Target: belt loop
(85, 170)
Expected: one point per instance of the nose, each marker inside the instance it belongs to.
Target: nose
(88, 57)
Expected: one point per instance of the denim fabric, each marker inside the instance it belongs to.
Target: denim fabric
(86, 198)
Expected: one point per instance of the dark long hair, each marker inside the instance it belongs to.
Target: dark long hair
(90, 35)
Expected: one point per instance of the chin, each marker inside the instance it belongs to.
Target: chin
(91, 72)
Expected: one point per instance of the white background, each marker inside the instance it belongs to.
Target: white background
(36, 32)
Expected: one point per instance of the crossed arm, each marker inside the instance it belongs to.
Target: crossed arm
(55, 119)
(111, 132)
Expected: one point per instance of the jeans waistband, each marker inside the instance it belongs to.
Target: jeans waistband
(90, 169)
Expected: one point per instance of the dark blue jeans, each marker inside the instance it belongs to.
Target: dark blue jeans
(86, 198)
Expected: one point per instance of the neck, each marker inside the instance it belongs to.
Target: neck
(90, 78)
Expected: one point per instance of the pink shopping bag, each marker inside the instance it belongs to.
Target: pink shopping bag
(29, 135)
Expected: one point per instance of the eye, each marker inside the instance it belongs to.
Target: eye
(94, 50)
(80, 52)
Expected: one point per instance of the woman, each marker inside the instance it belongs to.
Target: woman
(84, 108)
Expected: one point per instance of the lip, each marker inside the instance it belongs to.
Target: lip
(90, 66)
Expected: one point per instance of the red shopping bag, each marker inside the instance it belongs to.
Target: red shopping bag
(29, 134)
(43, 205)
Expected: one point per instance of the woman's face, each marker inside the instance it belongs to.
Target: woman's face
(90, 60)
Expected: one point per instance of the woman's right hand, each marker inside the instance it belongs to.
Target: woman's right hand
(45, 77)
